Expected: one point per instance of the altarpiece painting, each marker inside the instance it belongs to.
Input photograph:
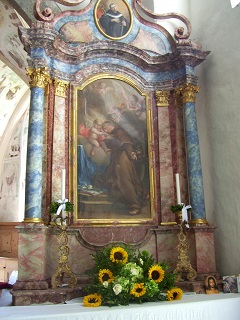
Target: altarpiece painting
(113, 127)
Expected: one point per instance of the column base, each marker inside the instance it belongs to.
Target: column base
(198, 221)
(33, 220)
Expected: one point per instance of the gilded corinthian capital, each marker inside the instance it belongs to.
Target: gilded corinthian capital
(188, 91)
(39, 77)
(162, 98)
(60, 87)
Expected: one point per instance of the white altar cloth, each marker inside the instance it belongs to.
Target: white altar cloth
(191, 307)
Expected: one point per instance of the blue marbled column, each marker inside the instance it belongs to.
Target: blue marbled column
(33, 191)
(194, 163)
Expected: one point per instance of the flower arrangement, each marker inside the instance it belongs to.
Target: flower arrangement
(176, 208)
(121, 276)
(55, 211)
(56, 204)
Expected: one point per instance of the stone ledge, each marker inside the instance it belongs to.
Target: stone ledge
(196, 286)
(31, 285)
(49, 296)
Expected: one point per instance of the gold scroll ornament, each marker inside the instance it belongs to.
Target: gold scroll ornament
(183, 263)
(63, 268)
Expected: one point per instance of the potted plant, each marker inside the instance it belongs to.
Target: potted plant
(53, 208)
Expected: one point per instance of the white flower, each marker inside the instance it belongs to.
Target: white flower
(105, 284)
(131, 269)
(134, 271)
(141, 261)
(117, 289)
(123, 282)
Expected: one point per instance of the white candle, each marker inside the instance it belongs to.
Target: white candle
(178, 188)
(63, 216)
(63, 183)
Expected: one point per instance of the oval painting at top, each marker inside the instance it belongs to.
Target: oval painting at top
(113, 18)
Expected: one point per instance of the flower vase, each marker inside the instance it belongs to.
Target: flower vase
(54, 220)
(178, 217)
(68, 217)
(57, 221)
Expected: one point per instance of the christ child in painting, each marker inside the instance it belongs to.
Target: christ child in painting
(96, 137)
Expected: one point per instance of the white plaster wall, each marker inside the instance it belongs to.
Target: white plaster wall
(169, 6)
(12, 204)
(216, 26)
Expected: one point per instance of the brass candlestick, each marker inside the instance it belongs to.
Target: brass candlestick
(63, 250)
(183, 263)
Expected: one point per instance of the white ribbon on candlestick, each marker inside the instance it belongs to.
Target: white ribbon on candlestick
(184, 214)
(62, 206)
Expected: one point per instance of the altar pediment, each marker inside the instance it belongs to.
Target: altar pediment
(72, 41)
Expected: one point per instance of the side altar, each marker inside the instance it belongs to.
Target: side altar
(114, 106)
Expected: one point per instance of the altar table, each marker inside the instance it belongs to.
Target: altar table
(191, 307)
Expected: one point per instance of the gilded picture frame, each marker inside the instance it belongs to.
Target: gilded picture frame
(113, 18)
(113, 176)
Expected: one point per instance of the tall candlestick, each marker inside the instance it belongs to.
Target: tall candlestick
(85, 106)
(63, 193)
(178, 188)
(63, 183)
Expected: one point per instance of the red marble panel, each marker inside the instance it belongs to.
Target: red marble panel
(31, 253)
(181, 156)
(58, 147)
(205, 252)
(165, 160)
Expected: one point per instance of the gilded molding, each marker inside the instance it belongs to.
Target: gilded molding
(198, 221)
(39, 77)
(33, 220)
(162, 98)
(170, 223)
(60, 87)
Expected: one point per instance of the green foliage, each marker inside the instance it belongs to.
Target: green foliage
(54, 207)
(176, 208)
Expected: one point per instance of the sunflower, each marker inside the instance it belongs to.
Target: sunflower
(156, 273)
(105, 275)
(138, 290)
(119, 255)
(174, 294)
(92, 300)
